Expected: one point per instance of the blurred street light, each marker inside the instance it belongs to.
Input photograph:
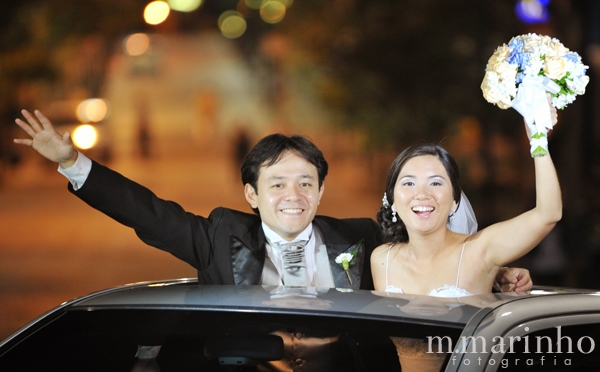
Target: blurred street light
(272, 11)
(156, 12)
(92, 110)
(532, 11)
(185, 5)
(85, 136)
(136, 44)
(232, 24)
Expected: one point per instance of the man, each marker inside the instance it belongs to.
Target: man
(283, 183)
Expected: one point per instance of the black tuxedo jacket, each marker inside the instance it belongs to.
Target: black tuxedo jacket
(228, 247)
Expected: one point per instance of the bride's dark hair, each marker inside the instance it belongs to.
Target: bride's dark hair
(395, 232)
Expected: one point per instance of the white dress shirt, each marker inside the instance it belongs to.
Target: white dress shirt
(78, 172)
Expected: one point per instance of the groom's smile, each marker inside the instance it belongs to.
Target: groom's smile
(287, 195)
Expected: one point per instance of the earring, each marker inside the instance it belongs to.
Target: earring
(386, 203)
(452, 216)
(394, 218)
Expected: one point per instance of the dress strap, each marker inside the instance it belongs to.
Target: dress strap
(459, 263)
(387, 265)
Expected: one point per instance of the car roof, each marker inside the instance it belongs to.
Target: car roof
(187, 312)
(187, 294)
(362, 304)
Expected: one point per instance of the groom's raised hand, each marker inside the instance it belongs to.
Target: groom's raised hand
(514, 279)
(46, 140)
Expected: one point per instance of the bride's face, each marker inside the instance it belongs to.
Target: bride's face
(423, 195)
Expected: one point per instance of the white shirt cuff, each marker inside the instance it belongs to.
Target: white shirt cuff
(78, 172)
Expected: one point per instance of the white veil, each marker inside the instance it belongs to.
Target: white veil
(464, 220)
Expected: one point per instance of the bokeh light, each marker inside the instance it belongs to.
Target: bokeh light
(286, 3)
(156, 12)
(184, 5)
(253, 4)
(232, 24)
(92, 110)
(272, 11)
(136, 44)
(532, 11)
(85, 136)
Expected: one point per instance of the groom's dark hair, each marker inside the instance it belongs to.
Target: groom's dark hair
(271, 148)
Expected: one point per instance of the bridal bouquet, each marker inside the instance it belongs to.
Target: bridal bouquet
(519, 74)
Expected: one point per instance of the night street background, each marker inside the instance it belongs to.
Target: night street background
(362, 78)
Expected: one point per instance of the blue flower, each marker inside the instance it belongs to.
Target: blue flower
(517, 55)
(520, 59)
(516, 44)
(572, 57)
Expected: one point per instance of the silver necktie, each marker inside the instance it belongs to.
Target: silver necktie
(294, 264)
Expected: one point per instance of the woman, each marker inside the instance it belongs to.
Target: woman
(424, 257)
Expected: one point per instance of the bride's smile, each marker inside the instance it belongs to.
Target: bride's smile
(423, 195)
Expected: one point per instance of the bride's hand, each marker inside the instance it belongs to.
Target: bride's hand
(553, 110)
(553, 116)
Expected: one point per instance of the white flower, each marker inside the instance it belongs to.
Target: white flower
(578, 85)
(343, 257)
(562, 100)
(346, 259)
(496, 90)
(577, 70)
(555, 67)
(536, 64)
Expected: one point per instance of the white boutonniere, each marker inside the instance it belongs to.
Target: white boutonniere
(347, 259)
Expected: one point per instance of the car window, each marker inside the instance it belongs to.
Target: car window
(108, 340)
(558, 346)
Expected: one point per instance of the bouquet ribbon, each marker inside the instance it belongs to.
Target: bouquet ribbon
(532, 104)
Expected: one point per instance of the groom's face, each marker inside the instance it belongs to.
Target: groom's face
(287, 195)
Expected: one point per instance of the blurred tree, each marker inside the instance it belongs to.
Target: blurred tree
(403, 71)
(39, 39)
(399, 71)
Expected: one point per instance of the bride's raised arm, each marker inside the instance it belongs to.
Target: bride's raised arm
(508, 240)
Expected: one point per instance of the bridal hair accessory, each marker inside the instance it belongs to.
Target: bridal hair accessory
(386, 203)
(519, 74)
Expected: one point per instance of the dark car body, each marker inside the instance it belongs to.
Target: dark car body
(195, 327)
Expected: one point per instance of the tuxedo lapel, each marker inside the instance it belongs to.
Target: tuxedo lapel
(340, 237)
(248, 258)
(355, 270)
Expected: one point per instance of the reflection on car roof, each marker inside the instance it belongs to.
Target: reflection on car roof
(407, 308)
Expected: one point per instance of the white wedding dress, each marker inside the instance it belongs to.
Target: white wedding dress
(414, 353)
